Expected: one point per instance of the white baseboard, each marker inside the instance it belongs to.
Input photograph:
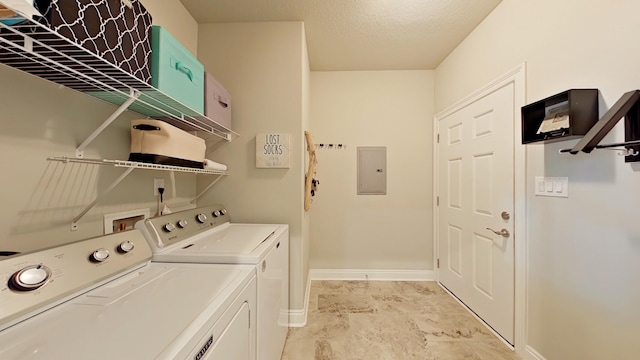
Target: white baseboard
(298, 317)
(531, 354)
(367, 274)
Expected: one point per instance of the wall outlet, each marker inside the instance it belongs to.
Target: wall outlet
(157, 183)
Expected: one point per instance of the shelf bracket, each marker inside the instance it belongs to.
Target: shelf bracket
(74, 223)
(206, 189)
(133, 96)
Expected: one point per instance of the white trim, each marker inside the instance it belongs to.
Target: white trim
(517, 76)
(520, 224)
(496, 84)
(368, 274)
(298, 317)
(532, 354)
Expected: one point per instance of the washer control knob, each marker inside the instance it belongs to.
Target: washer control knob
(216, 213)
(182, 224)
(100, 255)
(30, 278)
(223, 211)
(201, 218)
(126, 246)
(168, 227)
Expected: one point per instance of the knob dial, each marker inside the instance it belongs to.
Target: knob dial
(126, 246)
(216, 213)
(30, 278)
(182, 224)
(168, 227)
(201, 218)
(100, 255)
(223, 211)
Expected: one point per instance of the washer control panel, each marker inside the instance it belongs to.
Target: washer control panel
(175, 227)
(32, 281)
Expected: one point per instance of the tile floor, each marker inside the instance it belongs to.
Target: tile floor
(389, 320)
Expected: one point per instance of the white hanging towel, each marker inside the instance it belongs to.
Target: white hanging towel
(212, 165)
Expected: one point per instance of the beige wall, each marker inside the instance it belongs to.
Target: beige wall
(176, 19)
(584, 250)
(373, 108)
(40, 198)
(263, 66)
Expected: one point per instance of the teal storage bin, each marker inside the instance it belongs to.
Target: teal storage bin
(175, 71)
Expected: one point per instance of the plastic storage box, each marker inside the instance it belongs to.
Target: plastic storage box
(175, 71)
(217, 105)
(9, 17)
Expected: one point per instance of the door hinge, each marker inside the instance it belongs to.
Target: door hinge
(438, 139)
(438, 263)
(249, 318)
(437, 200)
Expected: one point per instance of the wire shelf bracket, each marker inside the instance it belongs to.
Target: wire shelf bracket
(206, 189)
(74, 223)
(134, 94)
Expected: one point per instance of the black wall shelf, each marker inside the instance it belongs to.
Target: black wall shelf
(563, 116)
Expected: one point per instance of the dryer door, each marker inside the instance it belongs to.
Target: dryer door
(232, 343)
(233, 335)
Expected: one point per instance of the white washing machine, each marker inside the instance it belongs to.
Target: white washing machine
(207, 235)
(102, 298)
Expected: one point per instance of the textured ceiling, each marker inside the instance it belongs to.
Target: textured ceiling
(362, 34)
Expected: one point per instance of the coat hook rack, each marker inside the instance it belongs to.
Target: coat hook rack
(331, 146)
(628, 106)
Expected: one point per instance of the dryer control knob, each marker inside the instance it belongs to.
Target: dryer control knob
(126, 246)
(182, 224)
(201, 218)
(30, 278)
(100, 255)
(215, 213)
(223, 211)
(168, 227)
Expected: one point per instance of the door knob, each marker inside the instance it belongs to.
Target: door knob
(505, 215)
(503, 232)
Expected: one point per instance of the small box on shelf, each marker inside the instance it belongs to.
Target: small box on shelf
(563, 116)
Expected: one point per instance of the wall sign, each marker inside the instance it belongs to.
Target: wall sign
(272, 150)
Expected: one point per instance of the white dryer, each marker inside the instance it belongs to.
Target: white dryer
(206, 235)
(102, 298)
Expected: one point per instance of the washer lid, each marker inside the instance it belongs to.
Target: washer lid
(155, 312)
(231, 238)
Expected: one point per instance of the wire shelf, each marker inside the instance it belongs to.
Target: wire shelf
(34, 48)
(129, 167)
(137, 165)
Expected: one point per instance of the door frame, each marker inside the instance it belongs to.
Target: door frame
(517, 77)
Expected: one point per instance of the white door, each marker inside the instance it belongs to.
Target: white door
(476, 192)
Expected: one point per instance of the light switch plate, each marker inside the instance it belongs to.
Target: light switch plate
(552, 186)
